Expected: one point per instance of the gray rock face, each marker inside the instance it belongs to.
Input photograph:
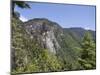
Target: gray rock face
(51, 42)
(44, 32)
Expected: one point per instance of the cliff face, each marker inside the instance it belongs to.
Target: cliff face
(40, 45)
(43, 31)
(51, 36)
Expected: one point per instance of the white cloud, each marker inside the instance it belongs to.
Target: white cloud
(87, 28)
(23, 19)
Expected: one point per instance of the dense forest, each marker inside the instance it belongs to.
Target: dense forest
(41, 45)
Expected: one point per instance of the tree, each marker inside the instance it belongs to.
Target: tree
(88, 52)
(20, 4)
(27, 54)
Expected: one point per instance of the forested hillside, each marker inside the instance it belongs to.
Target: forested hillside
(40, 45)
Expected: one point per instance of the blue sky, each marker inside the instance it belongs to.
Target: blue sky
(66, 15)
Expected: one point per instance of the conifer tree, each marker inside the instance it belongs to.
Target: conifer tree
(88, 52)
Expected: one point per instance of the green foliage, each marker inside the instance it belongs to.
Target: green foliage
(20, 4)
(29, 56)
(88, 55)
(50, 60)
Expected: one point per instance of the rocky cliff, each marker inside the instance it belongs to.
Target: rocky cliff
(44, 32)
(40, 45)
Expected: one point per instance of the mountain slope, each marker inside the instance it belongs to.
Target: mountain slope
(57, 40)
(77, 34)
(40, 45)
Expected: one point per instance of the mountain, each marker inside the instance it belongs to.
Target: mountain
(40, 45)
(44, 32)
(79, 32)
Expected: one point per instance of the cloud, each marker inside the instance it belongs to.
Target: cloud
(87, 28)
(23, 19)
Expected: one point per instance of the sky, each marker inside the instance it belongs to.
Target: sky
(66, 15)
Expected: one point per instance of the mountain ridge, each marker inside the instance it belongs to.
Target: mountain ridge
(38, 40)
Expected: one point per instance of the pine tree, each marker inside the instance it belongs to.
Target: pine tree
(88, 52)
(20, 4)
